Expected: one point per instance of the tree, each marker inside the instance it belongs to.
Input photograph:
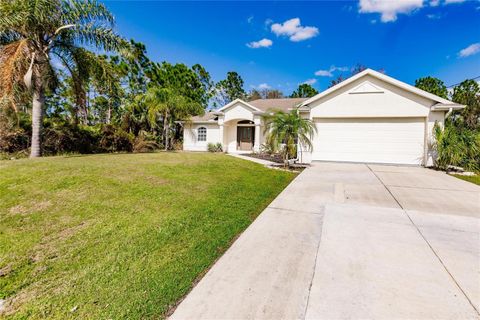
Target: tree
(432, 85)
(468, 93)
(229, 89)
(264, 94)
(33, 31)
(193, 83)
(254, 94)
(289, 129)
(304, 90)
(166, 104)
(353, 71)
(272, 94)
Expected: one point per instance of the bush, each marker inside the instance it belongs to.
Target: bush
(457, 146)
(215, 147)
(63, 137)
(143, 144)
(115, 139)
(14, 133)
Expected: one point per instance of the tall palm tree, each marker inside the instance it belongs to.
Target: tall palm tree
(288, 130)
(33, 32)
(167, 104)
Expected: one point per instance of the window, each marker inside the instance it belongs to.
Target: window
(202, 134)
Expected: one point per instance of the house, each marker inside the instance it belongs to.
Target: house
(369, 117)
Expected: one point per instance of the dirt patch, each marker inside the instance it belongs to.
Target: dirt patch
(10, 305)
(153, 180)
(32, 207)
(4, 271)
(42, 205)
(18, 210)
(48, 248)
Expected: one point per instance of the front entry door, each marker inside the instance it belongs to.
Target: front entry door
(245, 136)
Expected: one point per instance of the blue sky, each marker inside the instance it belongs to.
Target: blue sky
(282, 44)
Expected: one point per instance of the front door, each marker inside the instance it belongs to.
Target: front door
(245, 138)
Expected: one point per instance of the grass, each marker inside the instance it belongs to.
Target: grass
(120, 236)
(473, 179)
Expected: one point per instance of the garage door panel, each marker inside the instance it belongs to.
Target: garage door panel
(370, 140)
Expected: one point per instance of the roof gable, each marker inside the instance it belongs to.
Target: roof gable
(364, 86)
(234, 102)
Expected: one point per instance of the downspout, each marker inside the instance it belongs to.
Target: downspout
(448, 113)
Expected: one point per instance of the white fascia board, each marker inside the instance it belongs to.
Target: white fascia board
(228, 105)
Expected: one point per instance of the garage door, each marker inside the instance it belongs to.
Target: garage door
(377, 140)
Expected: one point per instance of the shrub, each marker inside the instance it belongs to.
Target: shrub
(215, 147)
(142, 144)
(456, 146)
(177, 145)
(63, 137)
(14, 133)
(114, 139)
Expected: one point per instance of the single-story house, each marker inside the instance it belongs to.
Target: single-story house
(369, 117)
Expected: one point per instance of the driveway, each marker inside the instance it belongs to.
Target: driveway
(352, 241)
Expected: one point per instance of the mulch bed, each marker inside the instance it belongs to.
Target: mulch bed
(277, 158)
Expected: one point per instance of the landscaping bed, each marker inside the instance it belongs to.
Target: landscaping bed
(277, 158)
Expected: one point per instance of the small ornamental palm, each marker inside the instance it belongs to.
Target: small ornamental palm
(32, 32)
(288, 129)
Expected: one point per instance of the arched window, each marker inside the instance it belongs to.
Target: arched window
(202, 134)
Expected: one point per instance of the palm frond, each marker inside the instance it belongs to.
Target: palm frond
(13, 58)
(7, 37)
(98, 36)
(86, 11)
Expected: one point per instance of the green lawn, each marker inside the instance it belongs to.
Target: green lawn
(120, 236)
(472, 179)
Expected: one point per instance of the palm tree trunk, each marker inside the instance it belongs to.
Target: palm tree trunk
(109, 113)
(165, 128)
(37, 121)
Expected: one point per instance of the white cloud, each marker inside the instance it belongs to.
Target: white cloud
(453, 1)
(434, 3)
(294, 30)
(389, 9)
(263, 86)
(264, 43)
(330, 71)
(250, 19)
(310, 81)
(433, 16)
(470, 50)
(323, 73)
(268, 22)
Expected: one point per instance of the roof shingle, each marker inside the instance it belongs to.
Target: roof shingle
(283, 104)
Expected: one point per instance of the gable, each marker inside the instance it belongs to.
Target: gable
(369, 96)
(238, 111)
(366, 87)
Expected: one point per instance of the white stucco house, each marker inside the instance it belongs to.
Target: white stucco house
(369, 117)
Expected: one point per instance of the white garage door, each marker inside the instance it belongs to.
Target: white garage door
(378, 140)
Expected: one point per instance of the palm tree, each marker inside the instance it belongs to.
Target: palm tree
(289, 129)
(166, 104)
(34, 32)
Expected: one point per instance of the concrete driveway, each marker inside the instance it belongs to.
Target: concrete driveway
(352, 241)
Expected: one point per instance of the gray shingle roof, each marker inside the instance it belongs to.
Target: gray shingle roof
(208, 116)
(283, 104)
(277, 104)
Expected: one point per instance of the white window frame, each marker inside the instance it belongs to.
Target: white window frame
(201, 135)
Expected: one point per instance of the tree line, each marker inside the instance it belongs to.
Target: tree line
(59, 95)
